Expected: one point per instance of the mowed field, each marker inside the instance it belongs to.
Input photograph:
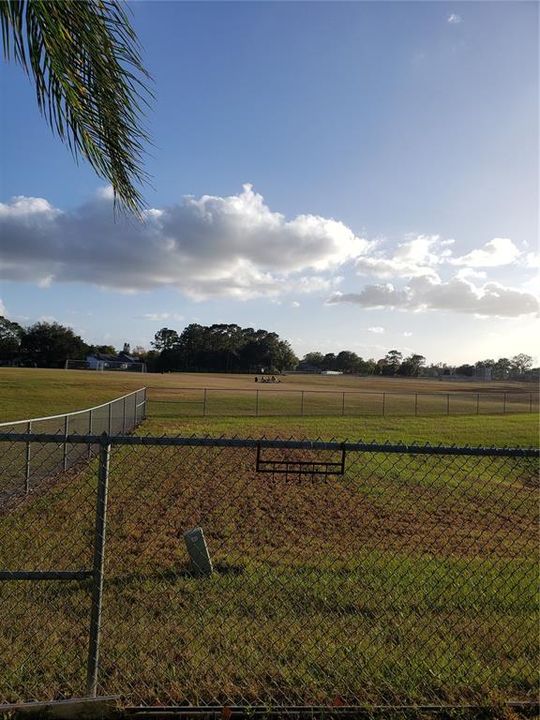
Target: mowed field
(27, 393)
(409, 579)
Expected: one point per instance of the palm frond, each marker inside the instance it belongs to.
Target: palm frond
(90, 82)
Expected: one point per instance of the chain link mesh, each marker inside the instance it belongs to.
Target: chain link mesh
(410, 578)
(25, 465)
(277, 401)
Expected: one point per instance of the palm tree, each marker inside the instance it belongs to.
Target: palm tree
(91, 86)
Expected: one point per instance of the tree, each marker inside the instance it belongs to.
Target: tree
(50, 344)
(501, 369)
(102, 350)
(90, 82)
(315, 359)
(165, 339)
(412, 365)
(348, 362)
(11, 334)
(392, 361)
(521, 363)
(467, 370)
(329, 361)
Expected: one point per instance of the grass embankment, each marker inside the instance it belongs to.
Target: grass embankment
(411, 579)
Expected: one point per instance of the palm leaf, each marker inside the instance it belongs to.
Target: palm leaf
(90, 83)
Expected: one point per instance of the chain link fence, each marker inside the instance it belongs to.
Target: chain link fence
(30, 462)
(277, 401)
(318, 573)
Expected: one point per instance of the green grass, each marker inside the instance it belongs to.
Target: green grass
(411, 579)
(489, 430)
(30, 393)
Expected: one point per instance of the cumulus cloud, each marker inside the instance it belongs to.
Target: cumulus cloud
(416, 257)
(426, 255)
(207, 247)
(456, 295)
(377, 330)
(454, 19)
(495, 253)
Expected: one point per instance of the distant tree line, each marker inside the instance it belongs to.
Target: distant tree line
(394, 364)
(43, 344)
(221, 348)
(349, 362)
(231, 348)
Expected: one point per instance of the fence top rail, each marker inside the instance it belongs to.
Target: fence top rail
(172, 441)
(337, 391)
(70, 414)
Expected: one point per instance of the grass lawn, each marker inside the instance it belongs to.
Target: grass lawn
(410, 579)
(30, 393)
(489, 430)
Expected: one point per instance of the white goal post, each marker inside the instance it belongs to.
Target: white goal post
(105, 365)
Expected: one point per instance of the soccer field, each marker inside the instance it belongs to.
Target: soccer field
(29, 393)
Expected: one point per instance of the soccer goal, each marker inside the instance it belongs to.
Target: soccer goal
(105, 365)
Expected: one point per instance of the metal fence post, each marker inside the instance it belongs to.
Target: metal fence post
(89, 432)
(302, 404)
(145, 401)
(448, 403)
(204, 403)
(415, 404)
(64, 453)
(257, 403)
(477, 403)
(504, 403)
(98, 566)
(383, 402)
(27, 460)
(124, 417)
(343, 405)
(530, 402)
(110, 418)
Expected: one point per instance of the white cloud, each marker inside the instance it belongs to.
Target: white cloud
(467, 272)
(455, 295)
(426, 256)
(45, 282)
(295, 304)
(407, 334)
(377, 330)
(454, 19)
(496, 252)
(211, 246)
(106, 193)
(416, 257)
(27, 207)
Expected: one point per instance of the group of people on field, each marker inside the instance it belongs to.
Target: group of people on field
(264, 379)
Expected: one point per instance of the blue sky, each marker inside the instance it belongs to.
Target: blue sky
(350, 175)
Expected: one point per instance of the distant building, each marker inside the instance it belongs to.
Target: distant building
(122, 361)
